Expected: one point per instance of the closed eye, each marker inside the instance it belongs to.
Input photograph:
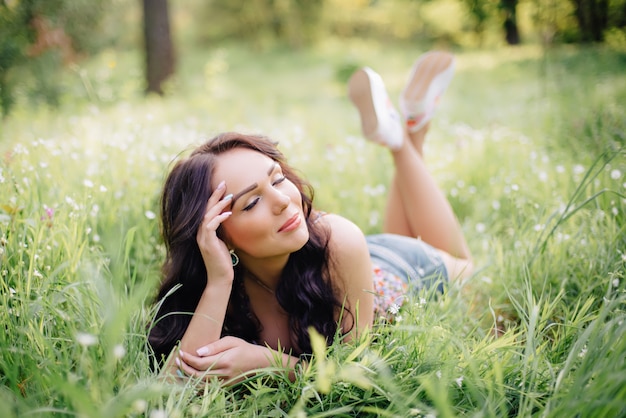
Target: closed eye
(279, 180)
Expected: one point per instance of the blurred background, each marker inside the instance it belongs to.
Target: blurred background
(149, 45)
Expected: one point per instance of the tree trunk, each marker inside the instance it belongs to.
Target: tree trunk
(511, 31)
(158, 44)
(593, 18)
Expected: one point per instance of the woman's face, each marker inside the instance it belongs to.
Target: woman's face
(267, 220)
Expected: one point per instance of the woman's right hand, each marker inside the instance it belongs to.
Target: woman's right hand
(214, 251)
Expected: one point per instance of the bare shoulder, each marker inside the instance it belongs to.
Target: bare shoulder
(347, 245)
(344, 234)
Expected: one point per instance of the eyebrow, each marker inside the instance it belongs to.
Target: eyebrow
(253, 185)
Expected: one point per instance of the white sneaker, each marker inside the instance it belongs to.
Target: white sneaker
(380, 121)
(429, 79)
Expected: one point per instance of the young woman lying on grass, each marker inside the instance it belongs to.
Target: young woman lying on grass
(259, 265)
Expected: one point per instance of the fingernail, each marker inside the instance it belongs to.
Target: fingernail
(227, 213)
(181, 354)
(221, 185)
(177, 362)
(202, 351)
(228, 196)
(180, 373)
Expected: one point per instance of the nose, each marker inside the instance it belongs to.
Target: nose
(281, 201)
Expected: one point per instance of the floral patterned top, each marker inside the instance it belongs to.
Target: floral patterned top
(389, 291)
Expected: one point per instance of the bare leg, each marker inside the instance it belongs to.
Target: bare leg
(416, 205)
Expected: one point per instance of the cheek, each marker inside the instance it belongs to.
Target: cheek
(244, 232)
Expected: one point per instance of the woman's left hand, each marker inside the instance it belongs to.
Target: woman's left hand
(230, 359)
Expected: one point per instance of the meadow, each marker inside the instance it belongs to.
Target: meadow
(528, 144)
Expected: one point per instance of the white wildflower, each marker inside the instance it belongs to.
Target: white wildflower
(579, 169)
(495, 205)
(459, 381)
(88, 183)
(438, 374)
(86, 339)
(119, 351)
(103, 188)
(150, 215)
(139, 406)
(583, 352)
(560, 169)
(394, 309)
(615, 282)
(480, 228)
(616, 174)
(158, 413)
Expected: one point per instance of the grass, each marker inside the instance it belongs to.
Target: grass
(528, 146)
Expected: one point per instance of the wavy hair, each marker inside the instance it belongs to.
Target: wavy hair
(304, 291)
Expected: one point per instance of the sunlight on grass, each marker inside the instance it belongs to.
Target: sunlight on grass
(538, 182)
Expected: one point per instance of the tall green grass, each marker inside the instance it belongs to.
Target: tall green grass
(528, 145)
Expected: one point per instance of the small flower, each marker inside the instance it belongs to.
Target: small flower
(583, 352)
(579, 169)
(88, 183)
(438, 374)
(616, 174)
(495, 205)
(86, 340)
(150, 215)
(394, 309)
(119, 351)
(139, 406)
(158, 413)
(459, 381)
(615, 282)
(480, 228)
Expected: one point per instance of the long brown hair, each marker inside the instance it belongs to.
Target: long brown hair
(304, 290)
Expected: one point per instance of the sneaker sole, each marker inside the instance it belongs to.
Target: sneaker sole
(360, 93)
(424, 72)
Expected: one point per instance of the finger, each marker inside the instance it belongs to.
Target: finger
(190, 370)
(211, 223)
(216, 347)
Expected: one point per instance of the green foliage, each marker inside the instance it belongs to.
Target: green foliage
(36, 37)
(528, 145)
(293, 22)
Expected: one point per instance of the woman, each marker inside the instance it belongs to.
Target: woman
(251, 266)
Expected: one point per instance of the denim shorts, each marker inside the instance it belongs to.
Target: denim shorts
(411, 259)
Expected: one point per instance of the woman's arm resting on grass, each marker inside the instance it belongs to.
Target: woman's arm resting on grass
(206, 324)
(231, 359)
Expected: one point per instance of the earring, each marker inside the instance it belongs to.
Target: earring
(233, 258)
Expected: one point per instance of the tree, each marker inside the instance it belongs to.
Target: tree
(511, 31)
(158, 44)
(593, 19)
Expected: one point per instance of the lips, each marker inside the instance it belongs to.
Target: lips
(291, 224)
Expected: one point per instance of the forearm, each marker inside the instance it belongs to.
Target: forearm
(206, 324)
